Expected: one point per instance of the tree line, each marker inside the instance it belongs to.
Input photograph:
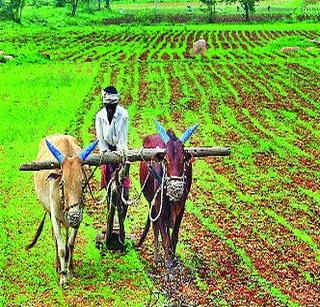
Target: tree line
(248, 7)
(12, 9)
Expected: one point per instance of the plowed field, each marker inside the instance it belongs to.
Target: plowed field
(250, 235)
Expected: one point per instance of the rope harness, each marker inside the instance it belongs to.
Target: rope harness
(74, 218)
(174, 186)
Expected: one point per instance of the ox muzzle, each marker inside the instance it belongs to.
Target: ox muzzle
(74, 215)
(175, 187)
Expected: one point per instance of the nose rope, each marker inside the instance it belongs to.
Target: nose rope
(61, 187)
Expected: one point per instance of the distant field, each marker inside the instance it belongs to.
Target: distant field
(250, 235)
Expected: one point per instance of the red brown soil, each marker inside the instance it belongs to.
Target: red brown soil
(214, 39)
(223, 42)
(176, 57)
(165, 56)
(245, 39)
(228, 35)
(256, 39)
(264, 36)
(144, 55)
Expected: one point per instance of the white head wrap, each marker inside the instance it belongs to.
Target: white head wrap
(110, 98)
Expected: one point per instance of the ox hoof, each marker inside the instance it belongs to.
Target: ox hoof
(57, 269)
(157, 260)
(169, 277)
(100, 240)
(70, 273)
(63, 282)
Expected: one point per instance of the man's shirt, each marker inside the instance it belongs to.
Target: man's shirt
(116, 133)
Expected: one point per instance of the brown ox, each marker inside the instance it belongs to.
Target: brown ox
(61, 194)
(166, 185)
(199, 47)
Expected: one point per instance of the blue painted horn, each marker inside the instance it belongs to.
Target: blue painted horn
(162, 132)
(57, 154)
(187, 134)
(87, 151)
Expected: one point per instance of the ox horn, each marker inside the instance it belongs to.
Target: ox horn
(187, 134)
(87, 151)
(57, 154)
(162, 132)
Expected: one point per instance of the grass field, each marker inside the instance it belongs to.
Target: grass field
(250, 235)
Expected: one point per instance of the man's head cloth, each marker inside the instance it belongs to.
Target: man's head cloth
(110, 95)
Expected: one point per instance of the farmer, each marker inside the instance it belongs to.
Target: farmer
(112, 133)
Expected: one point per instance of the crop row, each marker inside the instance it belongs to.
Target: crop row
(156, 45)
(263, 198)
(250, 233)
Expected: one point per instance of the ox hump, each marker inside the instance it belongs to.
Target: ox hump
(153, 141)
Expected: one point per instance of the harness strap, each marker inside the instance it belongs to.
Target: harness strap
(160, 188)
(154, 173)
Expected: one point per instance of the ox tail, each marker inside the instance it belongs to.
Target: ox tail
(145, 232)
(37, 235)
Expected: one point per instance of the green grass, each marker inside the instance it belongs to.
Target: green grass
(31, 98)
(252, 98)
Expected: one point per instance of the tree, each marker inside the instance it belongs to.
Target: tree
(74, 6)
(247, 5)
(211, 9)
(16, 7)
(60, 3)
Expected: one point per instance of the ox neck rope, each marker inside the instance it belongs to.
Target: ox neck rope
(87, 182)
(88, 179)
(83, 186)
(137, 199)
(174, 185)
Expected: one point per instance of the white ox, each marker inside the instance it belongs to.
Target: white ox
(61, 194)
(200, 47)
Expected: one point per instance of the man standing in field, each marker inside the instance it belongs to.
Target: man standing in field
(112, 132)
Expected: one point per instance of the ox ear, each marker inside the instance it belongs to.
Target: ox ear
(187, 134)
(54, 176)
(162, 132)
(57, 154)
(87, 151)
(189, 158)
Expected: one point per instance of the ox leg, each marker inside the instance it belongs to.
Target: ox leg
(157, 257)
(166, 241)
(71, 241)
(56, 258)
(61, 249)
(66, 257)
(145, 232)
(175, 233)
